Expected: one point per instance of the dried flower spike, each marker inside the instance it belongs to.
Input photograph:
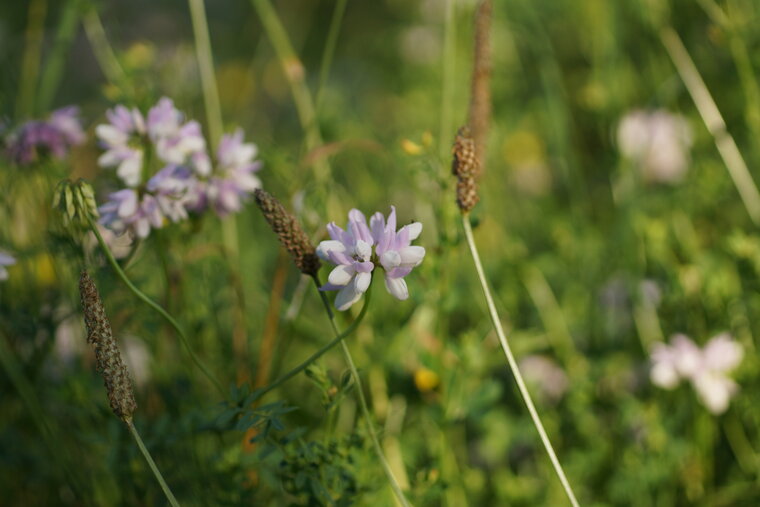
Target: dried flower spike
(466, 168)
(107, 354)
(289, 231)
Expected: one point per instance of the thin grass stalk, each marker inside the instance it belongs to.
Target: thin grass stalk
(512, 363)
(51, 76)
(216, 126)
(155, 306)
(447, 81)
(362, 400)
(732, 157)
(329, 52)
(480, 85)
(152, 464)
(102, 49)
(294, 73)
(30, 61)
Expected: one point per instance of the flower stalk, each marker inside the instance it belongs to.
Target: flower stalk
(512, 363)
(155, 306)
(362, 400)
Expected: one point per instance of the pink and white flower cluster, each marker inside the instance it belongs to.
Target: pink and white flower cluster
(706, 368)
(186, 180)
(52, 137)
(357, 251)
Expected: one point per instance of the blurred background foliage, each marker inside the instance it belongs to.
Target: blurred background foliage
(591, 263)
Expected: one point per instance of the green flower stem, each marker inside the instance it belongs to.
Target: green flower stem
(512, 363)
(363, 402)
(140, 295)
(316, 355)
(152, 464)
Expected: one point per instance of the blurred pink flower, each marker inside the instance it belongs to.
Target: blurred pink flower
(545, 374)
(658, 141)
(5, 260)
(707, 369)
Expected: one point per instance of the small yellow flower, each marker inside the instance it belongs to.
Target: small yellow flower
(410, 147)
(426, 380)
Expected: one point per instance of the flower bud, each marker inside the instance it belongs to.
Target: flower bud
(76, 202)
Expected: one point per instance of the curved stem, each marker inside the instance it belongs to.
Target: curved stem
(513, 364)
(319, 353)
(363, 402)
(140, 295)
(152, 464)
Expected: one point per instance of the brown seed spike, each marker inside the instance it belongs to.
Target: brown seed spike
(289, 232)
(466, 168)
(107, 355)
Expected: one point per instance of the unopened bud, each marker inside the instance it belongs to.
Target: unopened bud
(76, 202)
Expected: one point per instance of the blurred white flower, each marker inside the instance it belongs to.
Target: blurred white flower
(5, 260)
(546, 375)
(658, 141)
(707, 369)
(119, 244)
(138, 359)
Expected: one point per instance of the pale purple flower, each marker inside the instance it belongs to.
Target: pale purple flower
(53, 137)
(706, 369)
(126, 210)
(234, 178)
(163, 119)
(66, 120)
(5, 260)
(658, 141)
(121, 138)
(394, 251)
(351, 251)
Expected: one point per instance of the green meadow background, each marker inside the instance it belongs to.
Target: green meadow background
(590, 263)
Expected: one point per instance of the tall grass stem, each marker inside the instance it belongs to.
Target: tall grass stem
(152, 464)
(513, 364)
(30, 60)
(737, 167)
(51, 75)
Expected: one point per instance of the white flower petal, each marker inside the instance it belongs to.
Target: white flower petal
(325, 247)
(664, 375)
(715, 391)
(362, 281)
(341, 275)
(412, 256)
(415, 229)
(363, 250)
(346, 297)
(111, 135)
(390, 259)
(397, 288)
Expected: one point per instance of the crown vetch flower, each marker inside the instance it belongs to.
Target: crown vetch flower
(351, 251)
(123, 148)
(706, 369)
(234, 179)
(54, 136)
